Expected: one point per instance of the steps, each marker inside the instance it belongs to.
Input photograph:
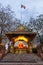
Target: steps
(21, 59)
(21, 63)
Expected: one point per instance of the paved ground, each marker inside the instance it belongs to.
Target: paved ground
(21, 58)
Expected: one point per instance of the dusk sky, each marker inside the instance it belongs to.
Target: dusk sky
(33, 7)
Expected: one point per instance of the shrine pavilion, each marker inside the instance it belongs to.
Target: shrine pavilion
(21, 39)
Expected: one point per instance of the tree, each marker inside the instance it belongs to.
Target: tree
(36, 25)
(15, 24)
(6, 18)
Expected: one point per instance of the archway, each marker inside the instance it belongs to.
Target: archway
(20, 44)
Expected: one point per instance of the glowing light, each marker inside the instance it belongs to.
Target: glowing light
(21, 38)
(21, 45)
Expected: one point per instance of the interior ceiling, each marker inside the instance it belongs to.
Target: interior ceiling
(21, 38)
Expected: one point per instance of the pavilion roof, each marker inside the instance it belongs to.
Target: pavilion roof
(21, 30)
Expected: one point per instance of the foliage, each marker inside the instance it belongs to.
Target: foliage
(5, 18)
(36, 25)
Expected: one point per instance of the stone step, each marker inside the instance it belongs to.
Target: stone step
(21, 63)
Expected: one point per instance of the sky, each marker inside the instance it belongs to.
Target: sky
(33, 8)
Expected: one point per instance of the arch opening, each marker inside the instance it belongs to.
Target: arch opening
(21, 44)
(20, 47)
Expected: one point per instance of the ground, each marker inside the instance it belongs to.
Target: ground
(21, 58)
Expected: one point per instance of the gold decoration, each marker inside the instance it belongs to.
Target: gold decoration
(21, 27)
